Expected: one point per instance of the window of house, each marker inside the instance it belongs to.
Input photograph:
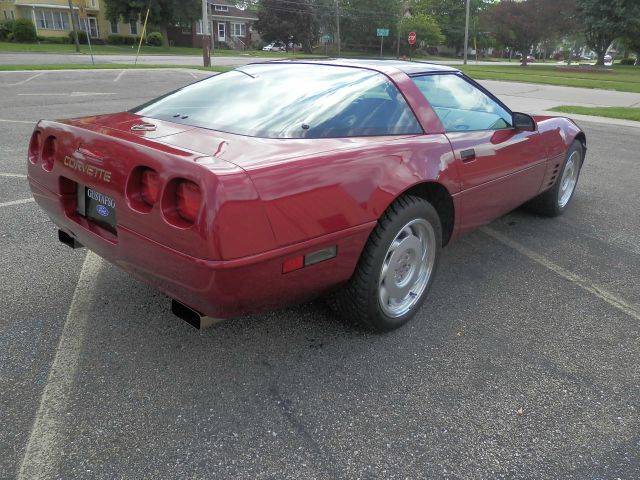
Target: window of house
(199, 27)
(113, 25)
(57, 21)
(64, 18)
(133, 25)
(93, 3)
(221, 8)
(238, 29)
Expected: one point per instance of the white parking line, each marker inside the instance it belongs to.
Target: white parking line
(17, 202)
(119, 76)
(44, 447)
(17, 121)
(26, 80)
(583, 283)
(192, 74)
(13, 175)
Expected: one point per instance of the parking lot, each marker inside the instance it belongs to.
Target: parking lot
(523, 363)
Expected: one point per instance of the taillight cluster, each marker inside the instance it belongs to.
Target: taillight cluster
(179, 199)
(39, 150)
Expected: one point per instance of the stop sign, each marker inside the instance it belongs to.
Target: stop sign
(412, 38)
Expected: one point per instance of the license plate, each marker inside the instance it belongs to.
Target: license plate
(97, 206)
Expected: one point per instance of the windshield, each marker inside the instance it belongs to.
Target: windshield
(290, 101)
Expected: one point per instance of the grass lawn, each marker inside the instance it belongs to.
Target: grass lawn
(12, 47)
(621, 78)
(625, 113)
(103, 66)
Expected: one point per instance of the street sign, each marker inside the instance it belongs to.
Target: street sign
(326, 38)
(412, 38)
(383, 32)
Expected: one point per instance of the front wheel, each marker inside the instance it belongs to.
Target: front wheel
(396, 268)
(554, 201)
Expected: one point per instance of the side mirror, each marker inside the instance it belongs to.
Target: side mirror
(523, 122)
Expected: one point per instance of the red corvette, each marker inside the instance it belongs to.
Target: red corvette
(277, 182)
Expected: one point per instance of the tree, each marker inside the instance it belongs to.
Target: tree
(604, 21)
(450, 16)
(515, 25)
(425, 27)
(281, 20)
(162, 13)
(360, 19)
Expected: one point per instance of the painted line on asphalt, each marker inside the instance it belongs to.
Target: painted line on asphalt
(44, 448)
(13, 175)
(65, 94)
(17, 121)
(583, 283)
(192, 74)
(119, 76)
(26, 80)
(16, 202)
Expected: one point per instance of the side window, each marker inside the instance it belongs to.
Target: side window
(460, 105)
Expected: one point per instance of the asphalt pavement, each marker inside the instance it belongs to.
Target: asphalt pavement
(523, 364)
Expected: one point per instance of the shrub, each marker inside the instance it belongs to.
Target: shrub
(54, 39)
(628, 61)
(122, 40)
(155, 39)
(6, 29)
(223, 46)
(24, 30)
(82, 37)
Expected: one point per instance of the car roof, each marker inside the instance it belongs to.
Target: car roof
(383, 66)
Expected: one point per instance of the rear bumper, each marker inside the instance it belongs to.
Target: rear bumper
(217, 288)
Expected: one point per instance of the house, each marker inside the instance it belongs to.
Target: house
(228, 24)
(51, 17)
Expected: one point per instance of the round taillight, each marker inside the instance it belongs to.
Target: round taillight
(34, 147)
(188, 199)
(149, 186)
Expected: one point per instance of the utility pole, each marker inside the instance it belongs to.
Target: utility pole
(206, 54)
(338, 23)
(74, 25)
(466, 34)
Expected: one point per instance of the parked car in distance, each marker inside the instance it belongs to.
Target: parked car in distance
(351, 185)
(274, 47)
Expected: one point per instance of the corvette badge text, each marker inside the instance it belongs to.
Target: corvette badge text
(87, 169)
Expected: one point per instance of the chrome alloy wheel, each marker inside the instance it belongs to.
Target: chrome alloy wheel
(569, 179)
(406, 268)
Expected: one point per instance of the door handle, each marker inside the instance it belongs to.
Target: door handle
(468, 155)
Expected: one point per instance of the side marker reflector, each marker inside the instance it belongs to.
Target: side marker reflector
(296, 263)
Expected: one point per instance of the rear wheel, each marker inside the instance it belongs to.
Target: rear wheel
(554, 201)
(396, 268)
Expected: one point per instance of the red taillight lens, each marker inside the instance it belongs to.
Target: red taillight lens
(188, 198)
(34, 147)
(48, 153)
(149, 186)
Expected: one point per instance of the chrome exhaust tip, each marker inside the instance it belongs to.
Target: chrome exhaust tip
(192, 316)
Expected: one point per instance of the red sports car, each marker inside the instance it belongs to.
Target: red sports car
(277, 182)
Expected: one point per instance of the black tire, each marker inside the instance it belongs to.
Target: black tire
(548, 203)
(359, 301)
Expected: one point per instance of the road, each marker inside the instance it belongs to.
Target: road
(524, 362)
